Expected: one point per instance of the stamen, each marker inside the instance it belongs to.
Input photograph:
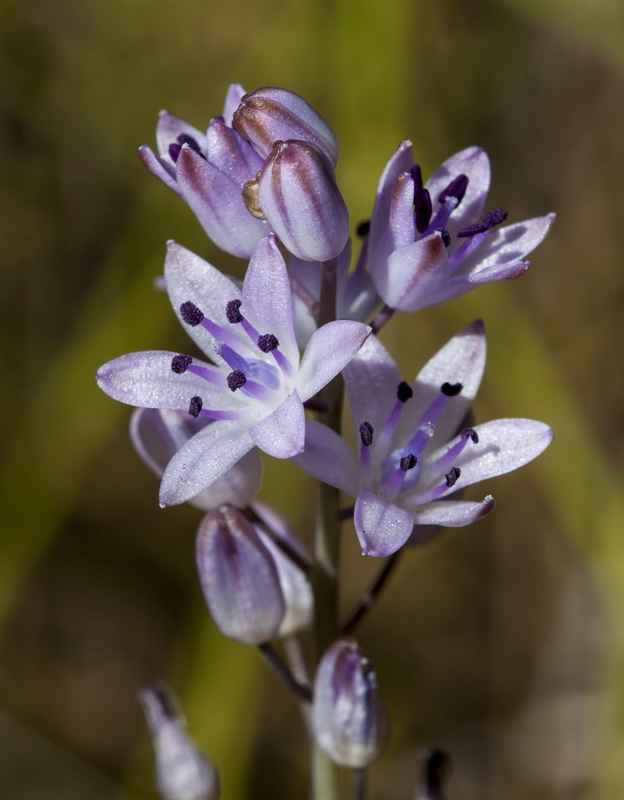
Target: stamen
(416, 174)
(363, 228)
(443, 215)
(195, 406)
(471, 434)
(366, 434)
(494, 217)
(231, 357)
(444, 235)
(268, 342)
(192, 315)
(408, 462)
(456, 188)
(404, 392)
(232, 312)
(472, 230)
(187, 139)
(236, 380)
(445, 461)
(174, 152)
(180, 363)
(422, 210)
(452, 476)
(451, 389)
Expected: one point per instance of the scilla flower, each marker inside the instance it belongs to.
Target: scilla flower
(414, 449)
(256, 388)
(429, 243)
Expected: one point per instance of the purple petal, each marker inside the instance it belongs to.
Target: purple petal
(169, 128)
(475, 164)
(217, 202)
(412, 276)
(159, 168)
(328, 458)
(380, 236)
(328, 352)
(233, 96)
(382, 527)
(146, 380)
(296, 588)
(267, 298)
(461, 360)
(204, 459)
(282, 433)
(453, 513)
(504, 445)
(372, 379)
(230, 153)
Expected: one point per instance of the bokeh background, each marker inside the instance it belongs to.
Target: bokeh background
(503, 643)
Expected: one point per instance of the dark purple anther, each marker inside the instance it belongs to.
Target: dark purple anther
(408, 462)
(422, 210)
(472, 230)
(444, 235)
(268, 342)
(191, 314)
(232, 312)
(363, 228)
(494, 217)
(452, 476)
(470, 433)
(451, 389)
(186, 139)
(404, 392)
(195, 406)
(174, 152)
(366, 434)
(236, 379)
(179, 364)
(456, 188)
(416, 174)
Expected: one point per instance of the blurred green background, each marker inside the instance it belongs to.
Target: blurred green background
(503, 643)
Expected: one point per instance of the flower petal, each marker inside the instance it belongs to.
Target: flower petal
(230, 153)
(329, 350)
(233, 96)
(282, 433)
(146, 380)
(159, 168)
(267, 298)
(475, 164)
(217, 202)
(452, 513)
(328, 458)
(382, 527)
(371, 378)
(461, 360)
(204, 459)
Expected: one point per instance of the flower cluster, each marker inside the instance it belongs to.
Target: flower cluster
(271, 357)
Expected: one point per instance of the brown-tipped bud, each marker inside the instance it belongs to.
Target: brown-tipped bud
(182, 771)
(298, 194)
(267, 115)
(239, 578)
(350, 723)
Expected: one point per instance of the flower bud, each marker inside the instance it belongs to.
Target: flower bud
(298, 195)
(350, 723)
(239, 578)
(182, 772)
(270, 114)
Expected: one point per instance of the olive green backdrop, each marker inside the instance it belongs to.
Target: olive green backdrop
(504, 642)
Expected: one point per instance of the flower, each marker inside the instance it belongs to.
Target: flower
(415, 448)
(350, 723)
(257, 388)
(182, 771)
(429, 243)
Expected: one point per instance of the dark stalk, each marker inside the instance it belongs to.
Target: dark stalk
(368, 600)
(273, 659)
(382, 317)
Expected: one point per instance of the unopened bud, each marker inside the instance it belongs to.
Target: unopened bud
(182, 771)
(350, 723)
(298, 194)
(270, 114)
(239, 578)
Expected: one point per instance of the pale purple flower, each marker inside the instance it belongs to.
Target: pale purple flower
(255, 390)
(415, 449)
(349, 721)
(182, 771)
(429, 243)
(209, 171)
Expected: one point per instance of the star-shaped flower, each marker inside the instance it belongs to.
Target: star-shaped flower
(415, 450)
(429, 243)
(256, 388)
